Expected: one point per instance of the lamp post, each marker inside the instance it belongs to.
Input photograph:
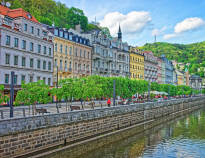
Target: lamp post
(148, 98)
(57, 89)
(114, 88)
(12, 94)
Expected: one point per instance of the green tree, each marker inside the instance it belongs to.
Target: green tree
(3, 98)
(33, 93)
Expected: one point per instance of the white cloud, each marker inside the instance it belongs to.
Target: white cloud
(158, 32)
(188, 24)
(133, 22)
(168, 36)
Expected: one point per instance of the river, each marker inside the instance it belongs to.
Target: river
(183, 138)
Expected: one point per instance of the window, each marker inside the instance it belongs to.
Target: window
(49, 65)
(16, 42)
(84, 53)
(31, 79)
(66, 67)
(61, 48)
(61, 65)
(80, 53)
(44, 65)
(25, 27)
(31, 46)
(56, 47)
(38, 32)
(23, 78)
(15, 60)
(56, 32)
(44, 79)
(66, 35)
(61, 33)
(38, 78)
(55, 62)
(50, 51)
(49, 81)
(23, 61)
(15, 79)
(39, 48)
(6, 78)
(70, 65)
(8, 40)
(32, 30)
(38, 64)
(7, 59)
(66, 50)
(44, 49)
(23, 44)
(31, 63)
(88, 55)
(76, 52)
(75, 66)
(70, 51)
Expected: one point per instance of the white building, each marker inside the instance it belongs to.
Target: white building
(25, 48)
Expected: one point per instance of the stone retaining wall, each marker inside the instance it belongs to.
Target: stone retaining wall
(21, 136)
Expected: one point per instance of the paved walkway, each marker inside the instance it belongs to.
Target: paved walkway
(22, 111)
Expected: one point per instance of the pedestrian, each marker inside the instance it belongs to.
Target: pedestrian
(108, 102)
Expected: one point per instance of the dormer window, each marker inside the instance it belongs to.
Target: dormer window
(76, 39)
(29, 16)
(66, 35)
(56, 32)
(61, 33)
(70, 37)
(80, 40)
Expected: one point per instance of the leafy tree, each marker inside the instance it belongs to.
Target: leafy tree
(3, 98)
(33, 93)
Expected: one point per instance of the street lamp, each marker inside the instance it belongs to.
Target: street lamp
(57, 89)
(12, 94)
(148, 98)
(114, 92)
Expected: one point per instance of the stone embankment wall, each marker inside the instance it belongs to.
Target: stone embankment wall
(20, 136)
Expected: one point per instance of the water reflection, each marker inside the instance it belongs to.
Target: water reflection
(182, 139)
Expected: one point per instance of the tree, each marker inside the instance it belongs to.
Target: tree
(3, 98)
(33, 93)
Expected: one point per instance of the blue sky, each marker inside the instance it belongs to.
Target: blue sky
(175, 21)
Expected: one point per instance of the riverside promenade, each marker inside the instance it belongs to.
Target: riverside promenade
(27, 135)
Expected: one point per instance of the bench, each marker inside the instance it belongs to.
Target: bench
(74, 108)
(42, 111)
(92, 104)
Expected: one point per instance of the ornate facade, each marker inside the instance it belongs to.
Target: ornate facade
(25, 47)
(136, 64)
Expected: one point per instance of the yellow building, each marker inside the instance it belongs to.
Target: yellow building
(181, 80)
(136, 64)
(72, 54)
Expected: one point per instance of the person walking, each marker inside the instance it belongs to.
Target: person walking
(108, 102)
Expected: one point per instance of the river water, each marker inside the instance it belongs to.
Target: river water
(182, 138)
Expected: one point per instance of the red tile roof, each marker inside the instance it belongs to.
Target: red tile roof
(15, 13)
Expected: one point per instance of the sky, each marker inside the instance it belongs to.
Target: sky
(174, 21)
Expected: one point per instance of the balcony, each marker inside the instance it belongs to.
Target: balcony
(10, 24)
(96, 56)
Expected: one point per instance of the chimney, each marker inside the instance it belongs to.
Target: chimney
(78, 28)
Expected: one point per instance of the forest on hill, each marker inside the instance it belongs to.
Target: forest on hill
(52, 12)
(194, 54)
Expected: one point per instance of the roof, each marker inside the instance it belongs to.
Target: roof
(15, 13)
(195, 77)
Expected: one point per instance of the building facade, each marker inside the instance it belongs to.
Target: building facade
(196, 82)
(169, 68)
(110, 56)
(136, 64)
(151, 67)
(26, 48)
(72, 54)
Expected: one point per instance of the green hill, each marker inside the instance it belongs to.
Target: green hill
(189, 53)
(50, 11)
